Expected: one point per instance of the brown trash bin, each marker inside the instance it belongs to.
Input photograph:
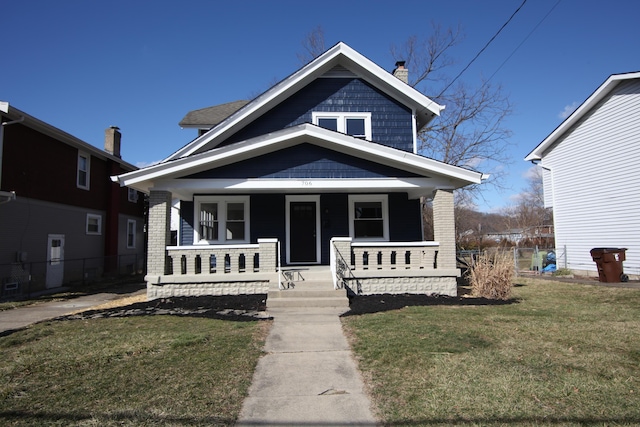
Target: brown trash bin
(609, 262)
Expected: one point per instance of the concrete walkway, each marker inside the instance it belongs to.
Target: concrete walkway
(308, 376)
(18, 318)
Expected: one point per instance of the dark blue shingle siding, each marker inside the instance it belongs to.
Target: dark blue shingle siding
(391, 122)
(304, 161)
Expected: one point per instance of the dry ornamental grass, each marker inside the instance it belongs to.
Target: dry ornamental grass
(492, 276)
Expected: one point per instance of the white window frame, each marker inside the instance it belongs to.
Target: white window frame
(96, 217)
(384, 201)
(83, 155)
(132, 195)
(222, 202)
(131, 231)
(341, 118)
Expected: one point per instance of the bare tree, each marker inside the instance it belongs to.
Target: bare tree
(528, 211)
(471, 131)
(313, 45)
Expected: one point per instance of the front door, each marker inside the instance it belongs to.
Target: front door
(55, 260)
(303, 244)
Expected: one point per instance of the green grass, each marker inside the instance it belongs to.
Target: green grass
(561, 355)
(142, 371)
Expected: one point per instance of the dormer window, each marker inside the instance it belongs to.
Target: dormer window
(354, 124)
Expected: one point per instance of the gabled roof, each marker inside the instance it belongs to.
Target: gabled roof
(339, 56)
(588, 105)
(45, 128)
(166, 174)
(206, 118)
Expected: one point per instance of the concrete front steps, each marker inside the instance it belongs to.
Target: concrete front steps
(312, 287)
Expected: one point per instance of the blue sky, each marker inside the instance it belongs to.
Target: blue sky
(84, 65)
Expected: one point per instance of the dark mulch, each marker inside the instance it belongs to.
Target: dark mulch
(362, 304)
(227, 307)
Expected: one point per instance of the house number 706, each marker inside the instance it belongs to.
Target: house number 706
(307, 183)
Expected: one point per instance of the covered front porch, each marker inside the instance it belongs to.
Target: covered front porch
(363, 266)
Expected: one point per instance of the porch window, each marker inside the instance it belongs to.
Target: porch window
(354, 124)
(222, 219)
(368, 217)
(82, 177)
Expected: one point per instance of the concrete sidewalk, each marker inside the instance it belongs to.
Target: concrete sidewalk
(22, 317)
(308, 376)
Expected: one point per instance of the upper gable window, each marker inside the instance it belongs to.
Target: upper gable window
(354, 124)
(84, 164)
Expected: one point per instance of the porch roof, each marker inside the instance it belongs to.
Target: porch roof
(169, 176)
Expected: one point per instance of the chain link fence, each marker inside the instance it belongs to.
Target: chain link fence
(525, 260)
(21, 279)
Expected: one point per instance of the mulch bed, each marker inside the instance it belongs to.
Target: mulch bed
(227, 307)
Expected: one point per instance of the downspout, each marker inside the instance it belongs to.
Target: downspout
(10, 195)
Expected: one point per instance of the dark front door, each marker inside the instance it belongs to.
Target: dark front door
(302, 227)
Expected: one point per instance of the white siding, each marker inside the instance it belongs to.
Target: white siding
(595, 178)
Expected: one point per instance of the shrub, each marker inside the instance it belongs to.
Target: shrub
(492, 276)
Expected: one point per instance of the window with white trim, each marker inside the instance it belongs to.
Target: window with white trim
(369, 217)
(131, 233)
(132, 195)
(84, 169)
(354, 124)
(94, 224)
(220, 219)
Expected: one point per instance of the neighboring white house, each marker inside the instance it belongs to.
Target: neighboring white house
(592, 176)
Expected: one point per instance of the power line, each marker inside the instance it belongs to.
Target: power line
(483, 49)
(524, 40)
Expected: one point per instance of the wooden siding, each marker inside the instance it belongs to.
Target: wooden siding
(186, 222)
(596, 181)
(391, 122)
(40, 167)
(303, 161)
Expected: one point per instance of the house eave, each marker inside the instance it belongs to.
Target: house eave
(143, 179)
(185, 189)
(62, 136)
(601, 92)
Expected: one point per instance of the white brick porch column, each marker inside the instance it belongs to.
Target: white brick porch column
(444, 228)
(159, 232)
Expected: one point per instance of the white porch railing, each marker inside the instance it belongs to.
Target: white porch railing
(220, 260)
(353, 260)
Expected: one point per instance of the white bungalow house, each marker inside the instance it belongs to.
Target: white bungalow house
(320, 170)
(591, 176)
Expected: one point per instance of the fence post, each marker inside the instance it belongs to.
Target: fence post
(515, 261)
(565, 256)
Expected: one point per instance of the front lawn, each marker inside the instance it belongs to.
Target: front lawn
(142, 371)
(558, 354)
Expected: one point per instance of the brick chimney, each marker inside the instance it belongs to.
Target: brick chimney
(112, 138)
(401, 72)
